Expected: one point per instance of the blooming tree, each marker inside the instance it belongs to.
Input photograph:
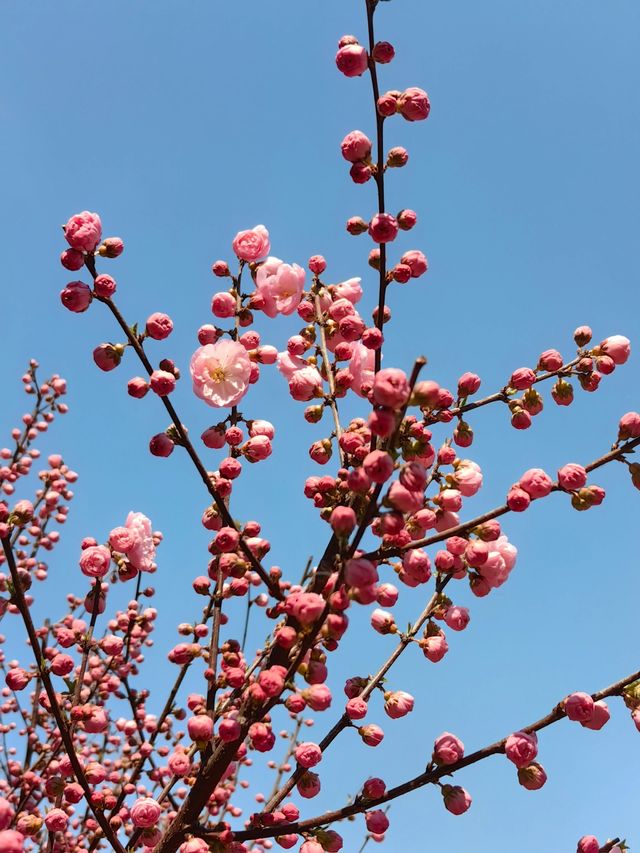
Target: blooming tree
(96, 770)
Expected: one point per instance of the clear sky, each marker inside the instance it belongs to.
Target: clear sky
(181, 123)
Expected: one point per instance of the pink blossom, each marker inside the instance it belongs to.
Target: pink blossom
(456, 799)
(11, 841)
(56, 820)
(252, 244)
(360, 572)
(521, 748)
(352, 60)
(599, 718)
(356, 146)
(374, 788)
(305, 384)
(536, 483)
(343, 520)
(162, 382)
(143, 553)
(617, 348)
(457, 618)
(308, 754)
(435, 647)
(371, 734)
(83, 231)
(221, 373)
(145, 812)
(579, 707)
(356, 708)
(468, 478)
(572, 477)
(414, 104)
(349, 289)
(398, 704)
(280, 286)
(306, 607)
(200, 728)
(416, 261)
(308, 786)
(159, 326)
(95, 561)
(72, 259)
(588, 844)
(6, 814)
(76, 296)
(629, 426)
(447, 749)
(522, 378)
(376, 821)
(361, 368)
(383, 622)
(391, 388)
(383, 228)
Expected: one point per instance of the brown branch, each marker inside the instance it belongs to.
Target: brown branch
(19, 599)
(431, 775)
(185, 441)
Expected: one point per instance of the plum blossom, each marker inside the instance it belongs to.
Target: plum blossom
(221, 373)
(279, 287)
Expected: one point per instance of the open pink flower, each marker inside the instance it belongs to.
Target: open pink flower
(280, 285)
(143, 553)
(221, 373)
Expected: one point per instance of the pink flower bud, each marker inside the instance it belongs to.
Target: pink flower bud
(383, 228)
(145, 812)
(536, 483)
(112, 247)
(308, 754)
(352, 60)
(629, 426)
(83, 231)
(373, 788)
(456, 799)
(617, 348)
(376, 821)
(200, 728)
(76, 296)
(521, 748)
(356, 146)
(343, 520)
(383, 52)
(579, 707)
(72, 259)
(414, 105)
(572, 476)
(447, 749)
(161, 445)
(159, 326)
(416, 261)
(397, 157)
(588, 844)
(532, 777)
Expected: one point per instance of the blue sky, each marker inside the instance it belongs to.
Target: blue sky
(183, 123)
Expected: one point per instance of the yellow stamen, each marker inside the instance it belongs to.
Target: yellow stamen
(217, 374)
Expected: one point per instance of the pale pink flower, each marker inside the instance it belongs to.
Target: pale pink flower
(143, 553)
(280, 285)
(221, 373)
(252, 244)
(361, 367)
(349, 289)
